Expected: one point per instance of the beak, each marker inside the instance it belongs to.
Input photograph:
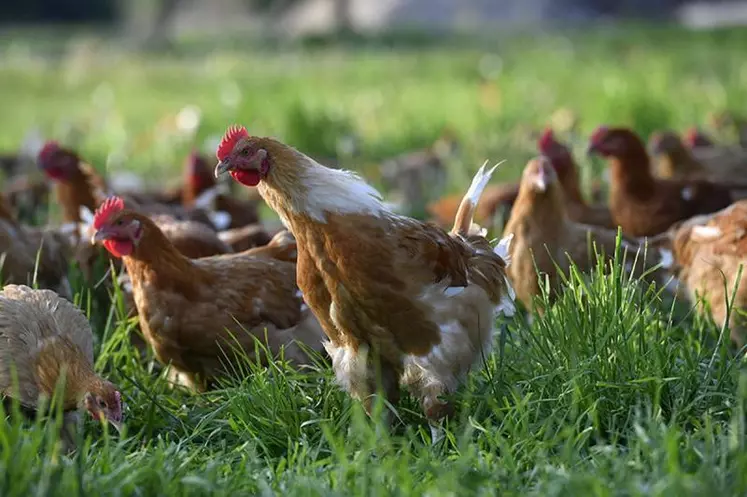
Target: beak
(117, 425)
(99, 236)
(540, 181)
(222, 168)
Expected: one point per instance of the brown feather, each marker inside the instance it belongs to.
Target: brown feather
(189, 309)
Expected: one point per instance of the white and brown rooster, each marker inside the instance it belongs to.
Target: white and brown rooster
(390, 291)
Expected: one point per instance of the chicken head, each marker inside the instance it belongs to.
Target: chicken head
(612, 142)
(116, 229)
(103, 401)
(56, 162)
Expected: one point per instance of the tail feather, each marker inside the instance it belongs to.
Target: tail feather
(463, 224)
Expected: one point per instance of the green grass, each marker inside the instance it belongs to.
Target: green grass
(615, 391)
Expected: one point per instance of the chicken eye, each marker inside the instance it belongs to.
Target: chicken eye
(119, 222)
(244, 151)
(102, 404)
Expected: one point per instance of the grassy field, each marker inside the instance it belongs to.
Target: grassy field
(616, 391)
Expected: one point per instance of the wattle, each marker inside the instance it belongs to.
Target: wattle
(248, 178)
(119, 248)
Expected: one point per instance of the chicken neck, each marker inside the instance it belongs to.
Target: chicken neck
(546, 210)
(631, 174)
(75, 192)
(298, 185)
(154, 258)
(58, 356)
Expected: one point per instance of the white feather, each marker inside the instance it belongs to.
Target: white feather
(506, 306)
(86, 216)
(335, 191)
(666, 258)
(706, 232)
(502, 248)
(220, 219)
(479, 182)
(206, 199)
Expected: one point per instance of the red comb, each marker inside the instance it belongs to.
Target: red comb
(599, 134)
(47, 150)
(233, 135)
(695, 138)
(110, 206)
(546, 140)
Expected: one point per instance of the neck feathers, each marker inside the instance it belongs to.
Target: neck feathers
(59, 357)
(305, 187)
(156, 255)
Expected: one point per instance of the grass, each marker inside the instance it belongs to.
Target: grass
(615, 391)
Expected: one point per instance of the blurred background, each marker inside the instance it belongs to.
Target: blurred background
(164, 19)
(134, 85)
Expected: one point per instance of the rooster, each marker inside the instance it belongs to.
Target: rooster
(193, 311)
(391, 292)
(42, 337)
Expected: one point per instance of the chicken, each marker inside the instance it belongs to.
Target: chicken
(394, 295)
(26, 193)
(673, 159)
(546, 239)
(78, 185)
(246, 237)
(195, 311)
(717, 164)
(198, 178)
(21, 246)
(562, 161)
(192, 239)
(707, 252)
(640, 204)
(695, 138)
(282, 247)
(42, 338)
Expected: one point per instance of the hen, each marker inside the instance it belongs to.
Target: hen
(246, 237)
(707, 252)
(32, 254)
(391, 292)
(695, 138)
(641, 204)
(718, 164)
(77, 185)
(193, 312)
(545, 237)
(565, 167)
(42, 338)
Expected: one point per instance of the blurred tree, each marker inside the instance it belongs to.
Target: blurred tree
(64, 11)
